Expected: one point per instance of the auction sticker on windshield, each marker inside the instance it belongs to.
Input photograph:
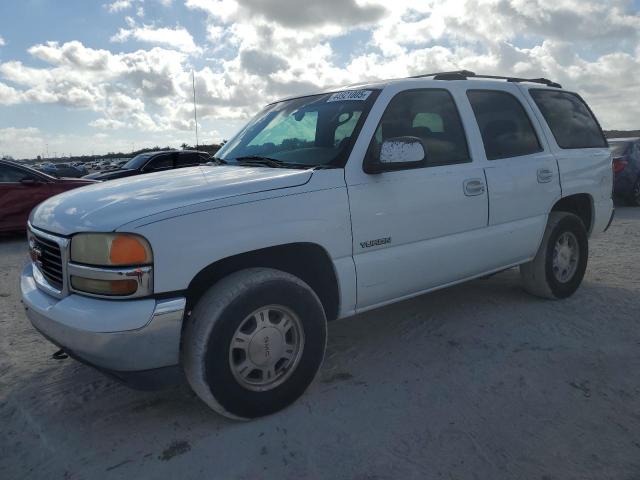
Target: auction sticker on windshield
(357, 95)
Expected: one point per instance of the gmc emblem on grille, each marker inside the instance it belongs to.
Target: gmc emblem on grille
(36, 255)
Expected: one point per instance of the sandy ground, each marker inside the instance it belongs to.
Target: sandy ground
(480, 381)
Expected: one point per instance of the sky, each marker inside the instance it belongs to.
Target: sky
(95, 76)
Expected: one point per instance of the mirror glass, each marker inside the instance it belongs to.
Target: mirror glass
(402, 150)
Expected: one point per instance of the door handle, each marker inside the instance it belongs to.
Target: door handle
(545, 175)
(473, 187)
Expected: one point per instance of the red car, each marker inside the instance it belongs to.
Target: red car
(22, 188)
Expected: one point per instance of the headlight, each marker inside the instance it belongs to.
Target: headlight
(111, 265)
(110, 249)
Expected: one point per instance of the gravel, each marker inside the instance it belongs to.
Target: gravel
(478, 381)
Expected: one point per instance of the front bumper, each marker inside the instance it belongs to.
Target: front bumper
(121, 336)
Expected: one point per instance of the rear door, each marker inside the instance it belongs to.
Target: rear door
(521, 171)
(420, 228)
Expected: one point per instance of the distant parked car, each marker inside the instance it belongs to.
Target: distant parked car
(154, 162)
(67, 170)
(22, 188)
(626, 169)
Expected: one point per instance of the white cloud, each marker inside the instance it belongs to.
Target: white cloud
(257, 51)
(20, 142)
(177, 37)
(118, 5)
(9, 95)
(2, 42)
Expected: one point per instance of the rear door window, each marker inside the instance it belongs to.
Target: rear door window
(12, 175)
(160, 162)
(187, 159)
(505, 127)
(569, 118)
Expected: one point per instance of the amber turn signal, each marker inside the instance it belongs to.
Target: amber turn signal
(129, 250)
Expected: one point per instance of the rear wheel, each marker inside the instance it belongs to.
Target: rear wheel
(254, 342)
(560, 264)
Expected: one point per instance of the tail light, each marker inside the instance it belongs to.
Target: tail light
(619, 164)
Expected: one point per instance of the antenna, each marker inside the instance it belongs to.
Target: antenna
(195, 108)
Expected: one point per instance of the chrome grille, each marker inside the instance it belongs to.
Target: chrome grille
(47, 255)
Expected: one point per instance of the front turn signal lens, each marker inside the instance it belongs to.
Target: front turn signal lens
(129, 250)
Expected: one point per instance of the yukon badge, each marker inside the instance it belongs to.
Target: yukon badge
(376, 242)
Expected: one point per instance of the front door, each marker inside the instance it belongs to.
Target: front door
(417, 229)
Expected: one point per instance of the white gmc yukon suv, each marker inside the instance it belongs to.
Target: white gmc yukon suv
(321, 207)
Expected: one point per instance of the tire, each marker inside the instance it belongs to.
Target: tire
(544, 279)
(220, 332)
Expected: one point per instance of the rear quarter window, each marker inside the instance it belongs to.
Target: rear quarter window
(571, 121)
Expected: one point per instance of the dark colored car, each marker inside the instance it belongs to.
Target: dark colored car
(154, 162)
(22, 188)
(64, 170)
(626, 169)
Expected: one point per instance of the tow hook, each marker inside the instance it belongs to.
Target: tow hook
(60, 355)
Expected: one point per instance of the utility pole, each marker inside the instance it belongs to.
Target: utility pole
(195, 108)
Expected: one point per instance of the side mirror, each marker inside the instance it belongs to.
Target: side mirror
(399, 153)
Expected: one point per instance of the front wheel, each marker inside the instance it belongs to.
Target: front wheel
(560, 264)
(254, 342)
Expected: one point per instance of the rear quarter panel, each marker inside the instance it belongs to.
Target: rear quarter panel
(582, 171)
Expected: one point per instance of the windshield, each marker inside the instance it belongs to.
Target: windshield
(618, 148)
(136, 162)
(309, 131)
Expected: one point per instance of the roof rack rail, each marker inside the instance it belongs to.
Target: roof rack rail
(465, 74)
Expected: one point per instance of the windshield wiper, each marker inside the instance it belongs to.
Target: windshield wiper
(219, 161)
(269, 162)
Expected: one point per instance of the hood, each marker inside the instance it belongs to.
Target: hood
(111, 174)
(103, 207)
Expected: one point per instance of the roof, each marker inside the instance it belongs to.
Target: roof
(175, 150)
(630, 139)
(445, 76)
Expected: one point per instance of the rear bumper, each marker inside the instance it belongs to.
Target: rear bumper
(116, 336)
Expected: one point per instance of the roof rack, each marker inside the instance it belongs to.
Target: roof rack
(465, 74)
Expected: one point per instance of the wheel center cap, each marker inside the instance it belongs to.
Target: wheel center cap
(266, 347)
(564, 256)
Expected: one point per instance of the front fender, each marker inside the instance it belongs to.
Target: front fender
(185, 244)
